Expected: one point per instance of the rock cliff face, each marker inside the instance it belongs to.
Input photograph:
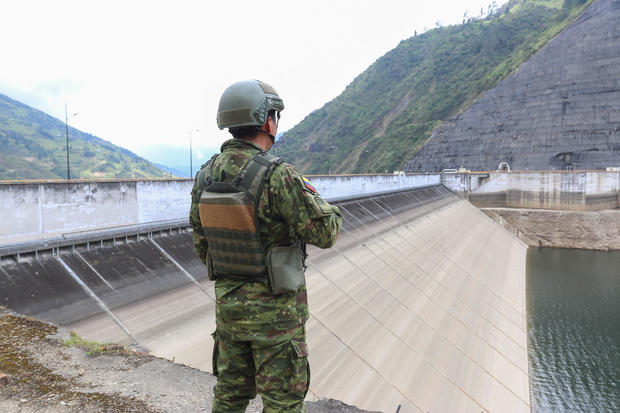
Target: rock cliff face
(560, 110)
(590, 230)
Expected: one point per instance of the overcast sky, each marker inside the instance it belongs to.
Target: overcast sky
(144, 73)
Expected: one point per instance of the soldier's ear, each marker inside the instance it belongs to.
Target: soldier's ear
(271, 126)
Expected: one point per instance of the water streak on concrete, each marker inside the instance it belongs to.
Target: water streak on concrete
(97, 300)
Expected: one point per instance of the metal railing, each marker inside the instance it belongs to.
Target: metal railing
(91, 238)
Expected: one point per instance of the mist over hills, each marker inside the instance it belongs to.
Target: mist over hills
(33, 146)
(390, 110)
(175, 159)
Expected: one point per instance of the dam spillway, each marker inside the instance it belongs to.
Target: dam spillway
(421, 303)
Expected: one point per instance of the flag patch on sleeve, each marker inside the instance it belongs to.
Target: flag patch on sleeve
(309, 186)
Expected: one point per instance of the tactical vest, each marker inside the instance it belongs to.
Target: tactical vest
(229, 217)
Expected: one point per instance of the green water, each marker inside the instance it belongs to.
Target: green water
(574, 330)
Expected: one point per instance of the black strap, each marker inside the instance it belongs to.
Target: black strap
(260, 160)
(209, 177)
(245, 177)
(204, 175)
(258, 277)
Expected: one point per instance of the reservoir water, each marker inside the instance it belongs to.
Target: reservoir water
(574, 330)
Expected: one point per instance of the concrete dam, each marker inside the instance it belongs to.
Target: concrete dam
(420, 304)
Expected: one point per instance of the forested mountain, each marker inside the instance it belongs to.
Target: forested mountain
(389, 111)
(559, 110)
(33, 146)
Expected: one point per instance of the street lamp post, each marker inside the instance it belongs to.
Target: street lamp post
(67, 135)
(191, 169)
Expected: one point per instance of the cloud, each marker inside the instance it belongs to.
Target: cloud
(145, 73)
(47, 96)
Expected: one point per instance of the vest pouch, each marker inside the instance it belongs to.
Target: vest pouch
(285, 267)
(229, 224)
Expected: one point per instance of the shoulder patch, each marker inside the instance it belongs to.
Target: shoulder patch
(308, 185)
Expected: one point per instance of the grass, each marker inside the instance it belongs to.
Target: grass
(39, 385)
(93, 348)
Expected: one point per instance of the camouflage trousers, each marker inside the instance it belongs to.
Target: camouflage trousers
(260, 346)
(277, 369)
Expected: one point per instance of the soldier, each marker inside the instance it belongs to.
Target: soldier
(251, 215)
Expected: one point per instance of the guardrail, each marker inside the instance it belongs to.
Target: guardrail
(90, 238)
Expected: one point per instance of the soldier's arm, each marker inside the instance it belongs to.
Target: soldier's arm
(200, 242)
(313, 219)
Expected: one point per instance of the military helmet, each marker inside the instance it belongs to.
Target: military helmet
(247, 103)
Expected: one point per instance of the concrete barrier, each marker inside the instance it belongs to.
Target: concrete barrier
(338, 186)
(566, 190)
(45, 209)
(40, 210)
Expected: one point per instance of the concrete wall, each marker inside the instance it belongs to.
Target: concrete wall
(336, 186)
(163, 200)
(46, 209)
(42, 210)
(578, 190)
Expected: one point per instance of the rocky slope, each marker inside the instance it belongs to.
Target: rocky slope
(592, 230)
(560, 110)
(389, 111)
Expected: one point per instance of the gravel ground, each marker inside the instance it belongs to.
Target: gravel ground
(39, 373)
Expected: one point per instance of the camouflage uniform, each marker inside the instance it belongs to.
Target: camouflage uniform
(260, 337)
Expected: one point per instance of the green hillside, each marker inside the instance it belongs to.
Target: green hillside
(33, 146)
(389, 111)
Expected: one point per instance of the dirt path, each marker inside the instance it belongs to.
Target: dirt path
(40, 373)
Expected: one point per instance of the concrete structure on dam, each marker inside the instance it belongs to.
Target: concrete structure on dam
(57, 210)
(563, 209)
(559, 110)
(421, 303)
(52, 209)
(556, 190)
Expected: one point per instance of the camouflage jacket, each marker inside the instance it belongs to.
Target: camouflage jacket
(289, 207)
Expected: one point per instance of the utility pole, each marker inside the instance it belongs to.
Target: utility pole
(67, 135)
(191, 169)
